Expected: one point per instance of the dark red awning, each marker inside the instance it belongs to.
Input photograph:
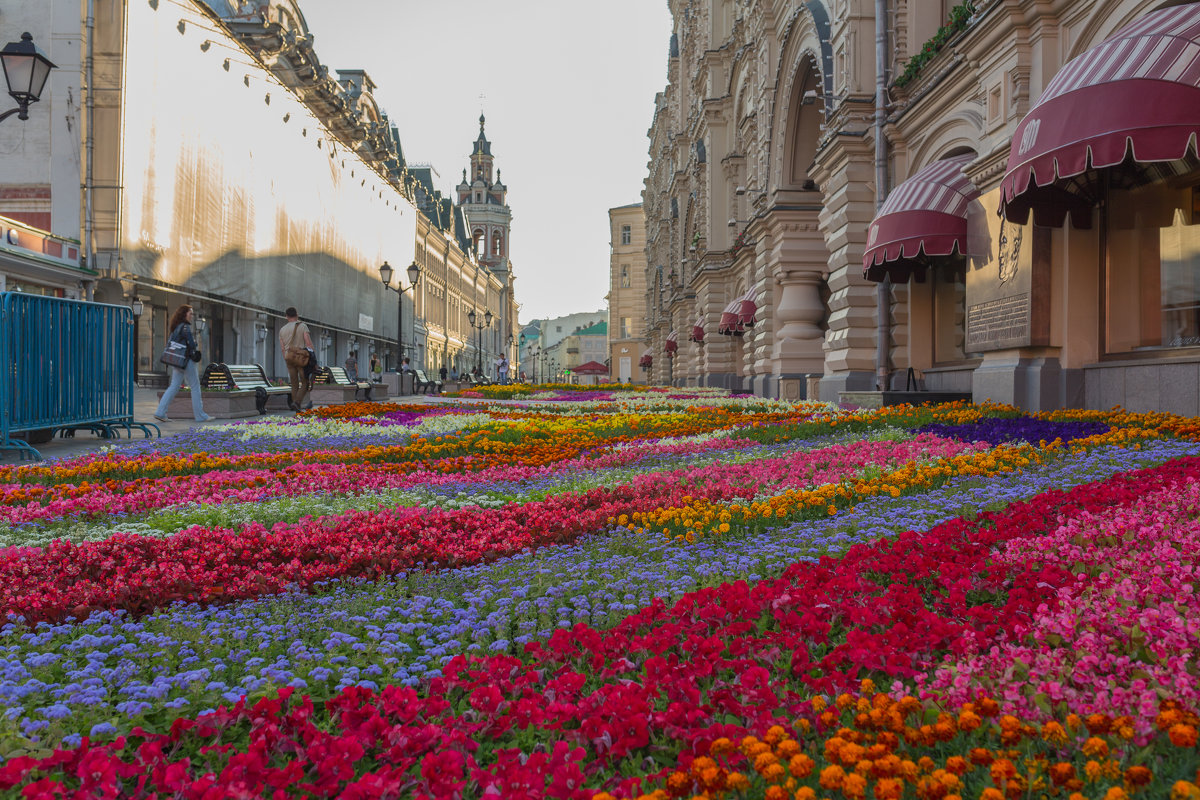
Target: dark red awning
(1134, 96)
(647, 359)
(672, 342)
(591, 368)
(925, 215)
(748, 308)
(697, 331)
(729, 318)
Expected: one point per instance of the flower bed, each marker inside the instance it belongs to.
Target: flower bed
(611, 599)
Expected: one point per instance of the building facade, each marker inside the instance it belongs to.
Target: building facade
(856, 205)
(628, 301)
(224, 166)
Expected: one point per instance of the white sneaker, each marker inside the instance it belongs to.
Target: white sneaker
(161, 419)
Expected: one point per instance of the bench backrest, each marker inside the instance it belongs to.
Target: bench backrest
(234, 376)
(335, 376)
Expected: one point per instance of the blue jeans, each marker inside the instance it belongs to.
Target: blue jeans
(192, 373)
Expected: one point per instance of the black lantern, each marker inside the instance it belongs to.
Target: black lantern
(26, 69)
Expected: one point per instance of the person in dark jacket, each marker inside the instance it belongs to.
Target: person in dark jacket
(181, 331)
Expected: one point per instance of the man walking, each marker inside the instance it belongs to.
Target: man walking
(296, 344)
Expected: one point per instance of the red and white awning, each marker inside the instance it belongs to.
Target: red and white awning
(672, 343)
(647, 359)
(697, 331)
(924, 216)
(748, 308)
(739, 315)
(1135, 95)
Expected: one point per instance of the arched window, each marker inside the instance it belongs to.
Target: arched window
(478, 238)
(497, 244)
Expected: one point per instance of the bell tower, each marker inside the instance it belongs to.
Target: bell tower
(483, 201)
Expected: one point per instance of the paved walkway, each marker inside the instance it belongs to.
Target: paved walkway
(145, 402)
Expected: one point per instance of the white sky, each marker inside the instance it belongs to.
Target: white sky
(569, 95)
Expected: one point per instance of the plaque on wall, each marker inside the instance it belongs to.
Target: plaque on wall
(1006, 288)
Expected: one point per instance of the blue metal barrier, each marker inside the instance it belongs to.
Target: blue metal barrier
(64, 365)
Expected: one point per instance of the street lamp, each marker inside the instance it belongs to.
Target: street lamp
(137, 307)
(25, 71)
(487, 322)
(520, 352)
(414, 275)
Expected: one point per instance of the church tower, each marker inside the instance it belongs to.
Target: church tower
(482, 200)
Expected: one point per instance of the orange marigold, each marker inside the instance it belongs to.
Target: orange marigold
(854, 785)
(1061, 773)
(787, 748)
(679, 784)
(764, 760)
(969, 721)
(737, 781)
(1097, 724)
(1002, 770)
(832, 777)
(1116, 793)
(777, 793)
(991, 793)
(801, 766)
(988, 707)
(1138, 776)
(1182, 735)
(981, 756)
(775, 734)
(774, 773)
(926, 764)
(721, 746)
(818, 704)
(1186, 790)
(957, 765)
(889, 789)
(806, 793)
(1054, 732)
(1095, 747)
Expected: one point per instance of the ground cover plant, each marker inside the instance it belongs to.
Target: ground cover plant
(623, 593)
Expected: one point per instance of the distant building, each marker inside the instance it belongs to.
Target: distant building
(628, 302)
(224, 166)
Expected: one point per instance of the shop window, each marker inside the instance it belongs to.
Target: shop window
(1153, 286)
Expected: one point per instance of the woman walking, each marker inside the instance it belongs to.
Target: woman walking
(181, 331)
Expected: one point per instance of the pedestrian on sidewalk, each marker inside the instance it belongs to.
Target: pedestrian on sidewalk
(352, 366)
(296, 345)
(181, 331)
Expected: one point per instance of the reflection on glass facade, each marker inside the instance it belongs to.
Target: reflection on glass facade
(1154, 282)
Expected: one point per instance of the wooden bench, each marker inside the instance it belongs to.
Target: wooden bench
(244, 378)
(329, 377)
(421, 383)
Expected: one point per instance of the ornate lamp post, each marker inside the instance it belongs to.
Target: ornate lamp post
(137, 307)
(25, 70)
(520, 347)
(414, 275)
(487, 322)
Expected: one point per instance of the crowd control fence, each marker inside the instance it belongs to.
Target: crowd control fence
(65, 365)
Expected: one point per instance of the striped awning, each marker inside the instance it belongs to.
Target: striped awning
(748, 309)
(1128, 110)
(739, 315)
(697, 331)
(647, 359)
(672, 342)
(924, 216)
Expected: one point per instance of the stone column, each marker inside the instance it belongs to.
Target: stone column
(797, 263)
(845, 172)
